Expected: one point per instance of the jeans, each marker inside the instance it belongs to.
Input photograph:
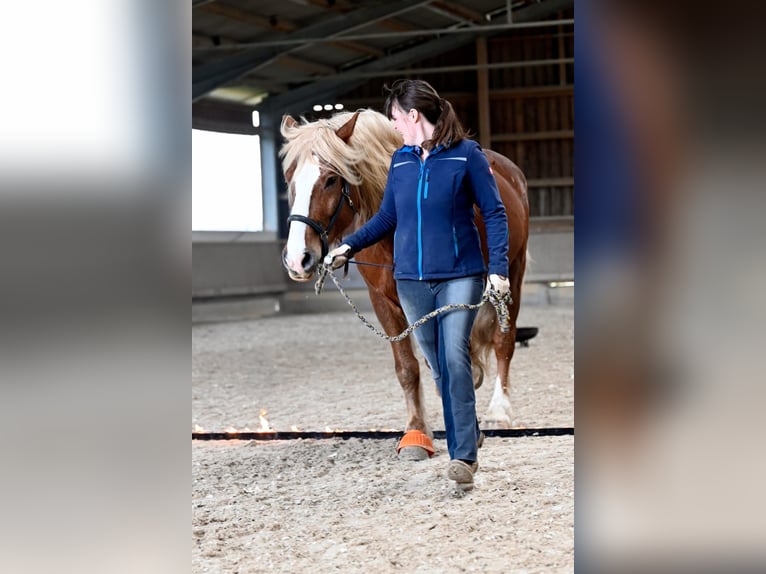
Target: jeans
(444, 342)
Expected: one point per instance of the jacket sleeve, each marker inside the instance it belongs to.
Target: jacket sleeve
(492, 210)
(380, 224)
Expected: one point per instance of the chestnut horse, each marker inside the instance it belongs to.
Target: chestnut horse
(336, 171)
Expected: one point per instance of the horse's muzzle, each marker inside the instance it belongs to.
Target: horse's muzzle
(302, 270)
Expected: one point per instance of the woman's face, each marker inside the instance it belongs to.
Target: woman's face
(404, 123)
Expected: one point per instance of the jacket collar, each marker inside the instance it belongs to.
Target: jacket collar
(417, 151)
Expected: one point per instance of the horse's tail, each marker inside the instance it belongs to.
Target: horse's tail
(482, 341)
(483, 333)
(528, 262)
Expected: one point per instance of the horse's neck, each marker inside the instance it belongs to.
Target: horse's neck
(359, 221)
(356, 224)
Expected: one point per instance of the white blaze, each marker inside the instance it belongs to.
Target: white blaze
(304, 181)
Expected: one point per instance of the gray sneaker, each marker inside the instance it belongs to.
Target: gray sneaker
(462, 473)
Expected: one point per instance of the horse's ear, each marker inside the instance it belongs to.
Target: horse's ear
(288, 122)
(344, 132)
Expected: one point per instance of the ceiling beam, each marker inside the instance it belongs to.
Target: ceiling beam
(461, 12)
(203, 41)
(361, 48)
(305, 65)
(273, 86)
(444, 69)
(344, 6)
(330, 87)
(207, 77)
(251, 18)
(417, 33)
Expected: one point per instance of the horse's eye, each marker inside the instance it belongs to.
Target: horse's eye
(330, 181)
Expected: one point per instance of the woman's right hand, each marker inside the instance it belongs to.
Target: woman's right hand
(499, 284)
(338, 256)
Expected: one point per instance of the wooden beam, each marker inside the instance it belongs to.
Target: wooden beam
(534, 136)
(482, 95)
(397, 25)
(462, 12)
(551, 182)
(562, 65)
(306, 65)
(251, 18)
(533, 92)
(343, 6)
(361, 48)
(203, 41)
(209, 76)
(337, 6)
(271, 86)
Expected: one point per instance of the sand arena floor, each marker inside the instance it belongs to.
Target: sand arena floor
(351, 505)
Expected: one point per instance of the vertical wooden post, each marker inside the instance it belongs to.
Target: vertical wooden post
(482, 100)
(561, 53)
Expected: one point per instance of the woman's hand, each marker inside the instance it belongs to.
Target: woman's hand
(499, 284)
(338, 257)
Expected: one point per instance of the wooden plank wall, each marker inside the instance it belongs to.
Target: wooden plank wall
(532, 116)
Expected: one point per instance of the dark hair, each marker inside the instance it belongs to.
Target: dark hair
(421, 96)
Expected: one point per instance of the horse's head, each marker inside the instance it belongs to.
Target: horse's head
(321, 208)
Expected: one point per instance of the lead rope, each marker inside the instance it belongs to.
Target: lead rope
(498, 301)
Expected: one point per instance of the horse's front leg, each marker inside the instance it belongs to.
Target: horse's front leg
(417, 443)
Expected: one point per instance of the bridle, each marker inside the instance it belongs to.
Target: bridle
(323, 232)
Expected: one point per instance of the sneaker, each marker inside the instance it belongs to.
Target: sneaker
(462, 473)
(481, 439)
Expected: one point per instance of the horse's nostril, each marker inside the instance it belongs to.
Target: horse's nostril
(308, 261)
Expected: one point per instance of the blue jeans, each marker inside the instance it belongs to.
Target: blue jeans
(444, 342)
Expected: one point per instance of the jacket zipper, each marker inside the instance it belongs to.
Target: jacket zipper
(454, 240)
(420, 221)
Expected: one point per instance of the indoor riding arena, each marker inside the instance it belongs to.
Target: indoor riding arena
(296, 406)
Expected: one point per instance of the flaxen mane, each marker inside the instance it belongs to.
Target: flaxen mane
(362, 162)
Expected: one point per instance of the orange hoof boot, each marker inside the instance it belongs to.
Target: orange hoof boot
(415, 445)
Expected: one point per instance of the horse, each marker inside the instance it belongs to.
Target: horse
(336, 170)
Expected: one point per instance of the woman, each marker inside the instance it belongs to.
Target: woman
(433, 183)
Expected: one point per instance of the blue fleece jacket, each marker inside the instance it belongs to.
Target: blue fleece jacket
(429, 206)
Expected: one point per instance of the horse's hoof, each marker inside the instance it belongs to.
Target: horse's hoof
(413, 453)
(415, 445)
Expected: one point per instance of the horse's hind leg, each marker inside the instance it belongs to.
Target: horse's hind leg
(499, 410)
(407, 368)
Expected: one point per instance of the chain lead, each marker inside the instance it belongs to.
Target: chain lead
(500, 303)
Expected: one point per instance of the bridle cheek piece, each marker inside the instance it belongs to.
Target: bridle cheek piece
(323, 232)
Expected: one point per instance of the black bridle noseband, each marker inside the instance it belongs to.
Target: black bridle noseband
(345, 197)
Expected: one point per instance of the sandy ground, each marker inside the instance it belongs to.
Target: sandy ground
(351, 505)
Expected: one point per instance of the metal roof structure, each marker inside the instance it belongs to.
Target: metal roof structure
(282, 56)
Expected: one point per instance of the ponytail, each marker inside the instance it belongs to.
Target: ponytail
(447, 130)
